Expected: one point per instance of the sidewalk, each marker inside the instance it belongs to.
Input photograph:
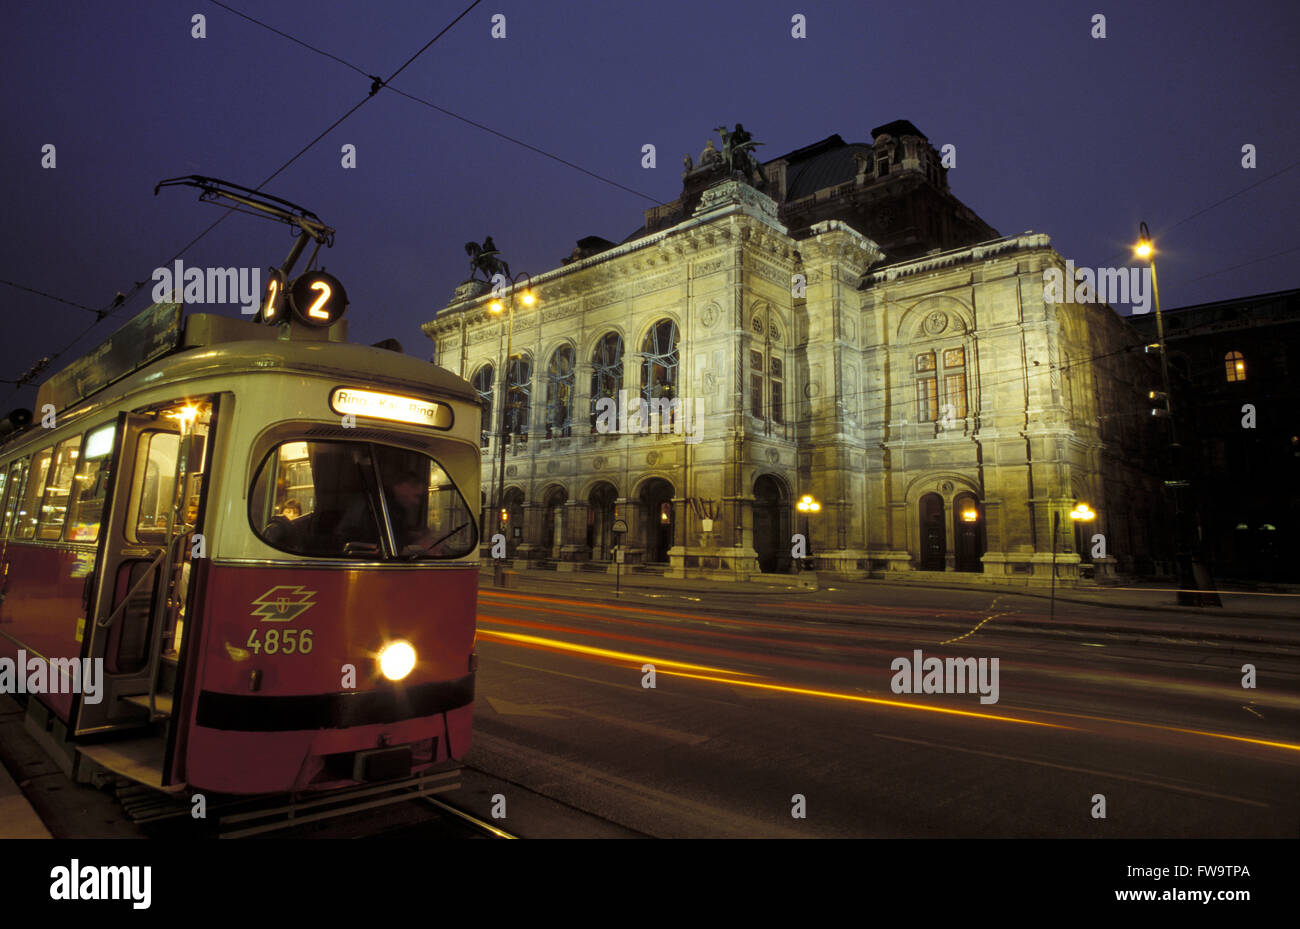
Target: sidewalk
(17, 818)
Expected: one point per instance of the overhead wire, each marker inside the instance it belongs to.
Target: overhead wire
(387, 85)
(110, 310)
(378, 83)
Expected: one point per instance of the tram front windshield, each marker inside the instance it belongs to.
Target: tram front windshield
(359, 500)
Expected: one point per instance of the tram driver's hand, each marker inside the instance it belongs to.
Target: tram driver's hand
(422, 544)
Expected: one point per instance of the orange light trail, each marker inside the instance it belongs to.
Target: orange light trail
(562, 647)
(1288, 746)
(557, 646)
(765, 621)
(713, 651)
(858, 698)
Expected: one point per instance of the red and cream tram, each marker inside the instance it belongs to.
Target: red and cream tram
(259, 544)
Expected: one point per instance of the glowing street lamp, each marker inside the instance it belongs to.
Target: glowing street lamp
(807, 504)
(497, 307)
(1193, 577)
(1081, 513)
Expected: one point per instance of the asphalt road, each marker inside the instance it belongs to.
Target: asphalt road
(757, 699)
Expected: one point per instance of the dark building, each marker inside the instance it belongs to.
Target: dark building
(1237, 408)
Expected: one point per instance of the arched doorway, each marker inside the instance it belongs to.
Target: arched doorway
(657, 516)
(934, 540)
(553, 522)
(771, 526)
(968, 532)
(600, 520)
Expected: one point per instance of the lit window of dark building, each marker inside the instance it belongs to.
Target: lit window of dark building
(1234, 367)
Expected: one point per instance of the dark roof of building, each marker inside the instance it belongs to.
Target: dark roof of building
(1203, 318)
(823, 164)
(820, 166)
(898, 127)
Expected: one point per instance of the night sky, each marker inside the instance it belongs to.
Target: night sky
(1055, 131)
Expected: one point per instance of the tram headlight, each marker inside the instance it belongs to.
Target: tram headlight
(396, 659)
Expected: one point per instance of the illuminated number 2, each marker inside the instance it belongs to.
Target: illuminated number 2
(270, 298)
(315, 311)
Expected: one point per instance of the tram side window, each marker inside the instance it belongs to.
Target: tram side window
(156, 484)
(29, 507)
(54, 505)
(90, 486)
(13, 486)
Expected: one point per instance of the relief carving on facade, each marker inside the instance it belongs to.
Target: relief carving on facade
(936, 322)
(769, 272)
(551, 314)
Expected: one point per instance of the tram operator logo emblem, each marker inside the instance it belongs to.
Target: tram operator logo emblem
(283, 604)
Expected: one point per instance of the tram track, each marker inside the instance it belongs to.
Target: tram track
(473, 820)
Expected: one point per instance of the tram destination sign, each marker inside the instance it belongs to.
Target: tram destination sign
(152, 333)
(393, 407)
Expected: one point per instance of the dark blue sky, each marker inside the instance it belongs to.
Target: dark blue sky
(1055, 131)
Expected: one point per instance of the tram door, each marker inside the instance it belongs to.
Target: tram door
(133, 595)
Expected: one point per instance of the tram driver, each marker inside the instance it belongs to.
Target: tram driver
(404, 493)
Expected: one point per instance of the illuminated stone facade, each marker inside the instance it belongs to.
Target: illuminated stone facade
(939, 408)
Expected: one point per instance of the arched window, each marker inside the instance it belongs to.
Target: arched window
(949, 404)
(659, 368)
(559, 392)
(954, 382)
(767, 370)
(484, 386)
(927, 388)
(519, 394)
(1234, 366)
(606, 371)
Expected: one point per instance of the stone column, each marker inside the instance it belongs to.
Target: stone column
(532, 547)
(633, 513)
(574, 549)
(682, 543)
(582, 397)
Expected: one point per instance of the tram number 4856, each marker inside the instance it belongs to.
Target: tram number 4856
(285, 642)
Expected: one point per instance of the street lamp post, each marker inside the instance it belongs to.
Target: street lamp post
(807, 504)
(528, 299)
(1193, 577)
(1081, 512)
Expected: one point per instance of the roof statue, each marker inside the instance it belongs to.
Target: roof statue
(484, 258)
(736, 161)
(738, 154)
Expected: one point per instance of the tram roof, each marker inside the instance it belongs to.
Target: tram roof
(220, 345)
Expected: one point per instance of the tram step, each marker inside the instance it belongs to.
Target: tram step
(138, 759)
(162, 702)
